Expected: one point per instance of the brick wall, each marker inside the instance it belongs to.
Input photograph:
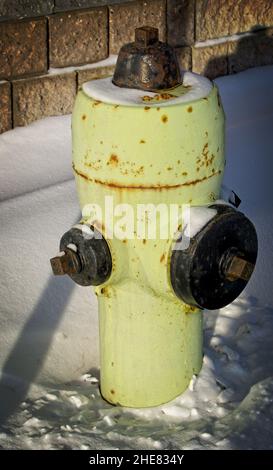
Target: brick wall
(48, 48)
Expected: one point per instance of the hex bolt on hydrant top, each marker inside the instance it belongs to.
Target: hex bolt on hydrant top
(148, 138)
(147, 63)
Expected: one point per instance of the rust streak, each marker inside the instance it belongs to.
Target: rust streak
(111, 184)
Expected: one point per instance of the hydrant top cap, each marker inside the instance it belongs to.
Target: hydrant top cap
(147, 64)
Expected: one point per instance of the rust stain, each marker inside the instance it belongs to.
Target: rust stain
(147, 108)
(95, 165)
(112, 391)
(164, 118)
(158, 97)
(105, 291)
(164, 96)
(189, 109)
(190, 309)
(158, 109)
(162, 258)
(124, 240)
(142, 141)
(113, 160)
(96, 103)
(144, 241)
(147, 98)
(83, 117)
(158, 187)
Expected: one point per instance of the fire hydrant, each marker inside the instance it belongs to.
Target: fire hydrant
(152, 136)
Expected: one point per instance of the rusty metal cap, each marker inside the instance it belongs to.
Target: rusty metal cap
(147, 64)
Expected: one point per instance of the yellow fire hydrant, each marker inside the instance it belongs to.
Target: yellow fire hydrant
(148, 158)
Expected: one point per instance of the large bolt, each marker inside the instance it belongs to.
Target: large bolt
(238, 268)
(146, 36)
(67, 262)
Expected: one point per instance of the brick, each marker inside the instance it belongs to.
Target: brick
(217, 18)
(94, 73)
(61, 5)
(5, 106)
(251, 51)
(25, 8)
(180, 22)
(210, 61)
(23, 48)
(124, 18)
(36, 98)
(79, 37)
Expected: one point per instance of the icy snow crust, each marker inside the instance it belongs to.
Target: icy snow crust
(104, 90)
(48, 326)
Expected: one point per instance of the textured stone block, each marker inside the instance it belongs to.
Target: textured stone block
(23, 48)
(5, 107)
(251, 51)
(217, 18)
(61, 5)
(25, 8)
(210, 61)
(78, 37)
(183, 55)
(124, 18)
(50, 95)
(180, 22)
(94, 73)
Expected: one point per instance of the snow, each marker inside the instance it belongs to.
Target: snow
(35, 157)
(195, 218)
(111, 60)
(104, 90)
(223, 39)
(49, 387)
